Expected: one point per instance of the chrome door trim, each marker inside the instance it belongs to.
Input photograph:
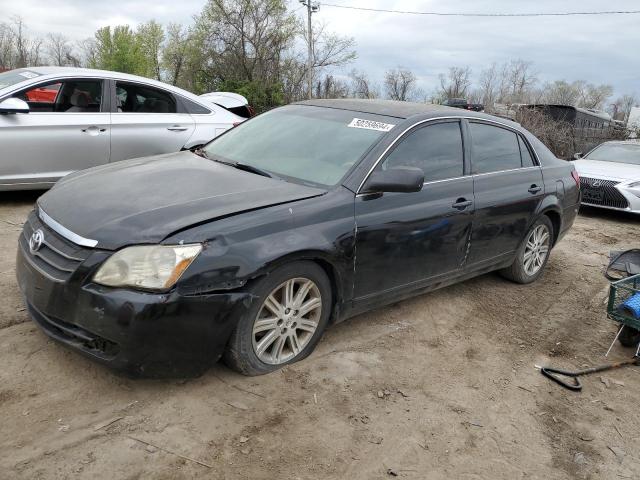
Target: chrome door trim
(457, 117)
(65, 232)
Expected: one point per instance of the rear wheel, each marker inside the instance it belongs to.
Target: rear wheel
(533, 254)
(629, 337)
(286, 321)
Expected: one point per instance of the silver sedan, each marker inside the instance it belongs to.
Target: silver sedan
(56, 120)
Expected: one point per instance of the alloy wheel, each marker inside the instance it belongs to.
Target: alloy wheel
(536, 249)
(286, 321)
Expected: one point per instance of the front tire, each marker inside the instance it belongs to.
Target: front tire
(284, 324)
(533, 254)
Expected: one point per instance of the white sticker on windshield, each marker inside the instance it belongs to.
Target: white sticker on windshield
(371, 125)
(28, 74)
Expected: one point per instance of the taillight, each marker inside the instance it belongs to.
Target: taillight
(576, 177)
(252, 112)
(235, 124)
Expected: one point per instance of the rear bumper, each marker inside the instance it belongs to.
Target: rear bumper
(140, 334)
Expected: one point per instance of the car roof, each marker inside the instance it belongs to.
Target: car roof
(53, 72)
(400, 109)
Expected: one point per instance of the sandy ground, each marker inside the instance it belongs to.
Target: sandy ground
(461, 398)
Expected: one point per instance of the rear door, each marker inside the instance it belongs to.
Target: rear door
(405, 239)
(66, 129)
(508, 187)
(147, 121)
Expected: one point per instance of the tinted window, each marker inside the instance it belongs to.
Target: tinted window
(134, 98)
(494, 148)
(193, 107)
(527, 160)
(435, 149)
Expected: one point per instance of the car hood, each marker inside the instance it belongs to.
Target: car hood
(607, 170)
(147, 199)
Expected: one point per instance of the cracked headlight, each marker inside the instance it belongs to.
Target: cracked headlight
(153, 267)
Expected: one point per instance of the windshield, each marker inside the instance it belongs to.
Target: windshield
(616, 152)
(312, 144)
(16, 76)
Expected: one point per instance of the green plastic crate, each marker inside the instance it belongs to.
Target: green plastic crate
(619, 292)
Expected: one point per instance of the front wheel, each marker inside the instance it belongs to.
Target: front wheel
(533, 253)
(284, 324)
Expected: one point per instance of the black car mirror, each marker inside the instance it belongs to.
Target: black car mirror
(401, 179)
(14, 105)
(577, 156)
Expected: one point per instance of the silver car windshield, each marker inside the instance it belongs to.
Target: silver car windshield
(616, 152)
(312, 144)
(16, 76)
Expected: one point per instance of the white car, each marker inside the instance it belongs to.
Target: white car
(610, 176)
(56, 120)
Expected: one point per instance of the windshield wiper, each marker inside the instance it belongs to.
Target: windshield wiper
(238, 165)
(245, 167)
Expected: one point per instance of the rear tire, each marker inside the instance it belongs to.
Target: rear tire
(285, 323)
(533, 254)
(629, 337)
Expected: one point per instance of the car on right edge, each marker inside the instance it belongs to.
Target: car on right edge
(610, 176)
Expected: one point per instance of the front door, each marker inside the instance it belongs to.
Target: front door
(146, 122)
(66, 129)
(405, 239)
(508, 187)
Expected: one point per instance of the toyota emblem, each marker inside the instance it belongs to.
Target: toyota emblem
(36, 241)
(596, 184)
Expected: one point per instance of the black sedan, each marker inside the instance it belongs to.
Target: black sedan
(301, 217)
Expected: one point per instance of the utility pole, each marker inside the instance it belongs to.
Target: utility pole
(312, 7)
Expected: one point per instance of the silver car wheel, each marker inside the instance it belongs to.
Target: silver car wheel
(286, 321)
(536, 249)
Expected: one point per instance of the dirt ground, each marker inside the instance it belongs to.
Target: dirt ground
(461, 398)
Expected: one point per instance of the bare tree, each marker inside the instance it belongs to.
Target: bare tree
(362, 87)
(516, 80)
(331, 87)
(60, 51)
(595, 96)
(562, 93)
(488, 88)
(400, 84)
(456, 82)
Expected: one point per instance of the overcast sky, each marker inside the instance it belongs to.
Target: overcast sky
(598, 49)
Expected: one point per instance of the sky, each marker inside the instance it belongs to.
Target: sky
(597, 49)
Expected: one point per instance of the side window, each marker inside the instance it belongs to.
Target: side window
(494, 148)
(193, 107)
(135, 98)
(74, 96)
(527, 159)
(436, 149)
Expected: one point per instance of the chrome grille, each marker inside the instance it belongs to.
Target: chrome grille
(57, 258)
(602, 192)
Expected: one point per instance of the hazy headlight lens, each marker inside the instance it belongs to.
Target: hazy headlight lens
(155, 267)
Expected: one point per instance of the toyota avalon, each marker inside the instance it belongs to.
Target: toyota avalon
(301, 217)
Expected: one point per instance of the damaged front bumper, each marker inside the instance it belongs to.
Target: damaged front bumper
(138, 333)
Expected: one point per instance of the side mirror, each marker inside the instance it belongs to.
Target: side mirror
(577, 156)
(401, 179)
(13, 105)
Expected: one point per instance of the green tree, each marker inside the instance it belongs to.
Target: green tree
(150, 38)
(119, 50)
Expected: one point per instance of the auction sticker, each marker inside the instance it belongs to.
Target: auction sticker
(371, 125)
(28, 75)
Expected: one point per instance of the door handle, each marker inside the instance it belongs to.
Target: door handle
(93, 130)
(177, 128)
(533, 189)
(462, 203)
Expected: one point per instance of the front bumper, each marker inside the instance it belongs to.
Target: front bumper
(608, 194)
(140, 334)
